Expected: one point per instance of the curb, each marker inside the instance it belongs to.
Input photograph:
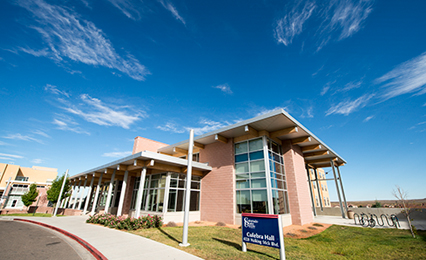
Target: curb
(98, 255)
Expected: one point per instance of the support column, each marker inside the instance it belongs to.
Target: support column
(76, 195)
(341, 186)
(111, 185)
(122, 194)
(310, 191)
(88, 196)
(166, 194)
(81, 194)
(337, 188)
(70, 197)
(318, 189)
(95, 201)
(67, 202)
(140, 192)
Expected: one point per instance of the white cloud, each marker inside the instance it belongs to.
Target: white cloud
(37, 161)
(66, 123)
(292, 23)
(209, 125)
(3, 143)
(95, 111)
(266, 111)
(343, 17)
(408, 77)
(170, 127)
(348, 106)
(39, 132)
(351, 85)
(55, 90)
(128, 8)
(11, 156)
(224, 88)
(69, 36)
(347, 16)
(169, 6)
(117, 154)
(308, 112)
(368, 118)
(325, 90)
(18, 136)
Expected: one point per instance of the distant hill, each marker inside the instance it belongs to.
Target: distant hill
(414, 203)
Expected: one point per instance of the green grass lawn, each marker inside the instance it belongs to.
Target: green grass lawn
(337, 242)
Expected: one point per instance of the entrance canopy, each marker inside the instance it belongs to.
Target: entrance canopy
(154, 161)
(277, 124)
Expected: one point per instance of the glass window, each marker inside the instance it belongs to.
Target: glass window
(258, 175)
(256, 155)
(241, 158)
(243, 184)
(243, 201)
(256, 144)
(241, 148)
(258, 183)
(241, 167)
(260, 201)
(257, 166)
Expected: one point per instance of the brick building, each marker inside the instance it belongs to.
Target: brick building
(258, 165)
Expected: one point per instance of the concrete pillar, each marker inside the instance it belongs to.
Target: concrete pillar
(111, 185)
(122, 194)
(81, 194)
(88, 196)
(77, 193)
(337, 188)
(310, 191)
(140, 192)
(341, 186)
(318, 189)
(95, 201)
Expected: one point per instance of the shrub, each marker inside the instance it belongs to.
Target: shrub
(126, 223)
(220, 224)
(171, 224)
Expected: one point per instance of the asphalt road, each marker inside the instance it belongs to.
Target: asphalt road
(20, 240)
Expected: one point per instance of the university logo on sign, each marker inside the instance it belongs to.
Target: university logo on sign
(261, 229)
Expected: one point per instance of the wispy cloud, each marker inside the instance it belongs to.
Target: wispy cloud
(19, 136)
(308, 112)
(368, 118)
(224, 88)
(351, 85)
(171, 127)
(117, 154)
(266, 111)
(69, 36)
(66, 123)
(9, 156)
(209, 125)
(170, 7)
(95, 111)
(348, 106)
(37, 161)
(128, 8)
(343, 17)
(408, 77)
(292, 23)
(55, 90)
(39, 132)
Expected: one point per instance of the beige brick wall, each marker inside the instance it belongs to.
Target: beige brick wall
(143, 144)
(297, 185)
(217, 202)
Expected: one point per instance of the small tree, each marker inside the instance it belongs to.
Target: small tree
(30, 197)
(377, 204)
(55, 189)
(401, 195)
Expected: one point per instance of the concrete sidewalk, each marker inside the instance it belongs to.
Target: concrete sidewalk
(113, 244)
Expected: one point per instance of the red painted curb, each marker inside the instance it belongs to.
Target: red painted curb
(98, 255)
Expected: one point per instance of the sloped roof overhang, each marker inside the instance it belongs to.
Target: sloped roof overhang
(145, 157)
(316, 152)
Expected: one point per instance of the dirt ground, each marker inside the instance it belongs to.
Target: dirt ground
(293, 231)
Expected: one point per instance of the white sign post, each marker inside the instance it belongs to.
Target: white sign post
(188, 190)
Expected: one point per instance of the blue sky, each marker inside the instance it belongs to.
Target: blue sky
(79, 80)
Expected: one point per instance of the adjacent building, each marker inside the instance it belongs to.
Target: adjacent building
(260, 165)
(16, 180)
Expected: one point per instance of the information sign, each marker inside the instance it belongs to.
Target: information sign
(262, 229)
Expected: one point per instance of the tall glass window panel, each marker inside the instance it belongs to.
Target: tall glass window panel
(241, 168)
(243, 201)
(258, 183)
(260, 201)
(257, 166)
(243, 184)
(256, 155)
(241, 158)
